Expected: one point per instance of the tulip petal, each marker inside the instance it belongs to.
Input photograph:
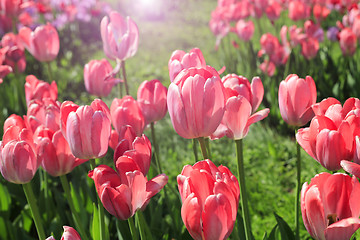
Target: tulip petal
(191, 216)
(343, 229)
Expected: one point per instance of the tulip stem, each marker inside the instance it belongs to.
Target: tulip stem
(133, 231)
(156, 147)
(50, 72)
(140, 222)
(124, 76)
(243, 196)
(34, 209)
(298, 186)
(195, 150)
(203, 147)
(207, 143)
(66, 186)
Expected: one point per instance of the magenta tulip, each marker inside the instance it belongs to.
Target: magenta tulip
(120, 36)
(42, 43)
(151, 97)
(123, 193)
(86, 128)
(210, 197)
(180, 60)
(296, 96)
(126, 111)
(330, 206)
(196, 101)
(98, 79)
(38, 89)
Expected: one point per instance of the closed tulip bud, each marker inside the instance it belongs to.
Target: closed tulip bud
(120, 36)
(38, 89)
(45, 112)
(196, 101)
(348, 41)
(42, 43)
(210, 199)
(69, 234)
(330, 206)
(180, 60)
(269, 43)
(97, 78)
(126, 111)
(245, 30)
(86, 128)
(16, 120)
(123, 193)
(55, 155)
(151, 97)
(298, 10)
(309, 47)
(296, 96)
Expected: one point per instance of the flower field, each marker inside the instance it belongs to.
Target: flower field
(182, 119)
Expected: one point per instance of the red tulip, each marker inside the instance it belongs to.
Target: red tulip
(245, 30)
(86, 128)
(38, 89)
(180, 60)
(196, 101)
(55, 155)
(43, 43)
(126, 111)
(97, 78)
(210, 197)
(348, 41)
(123, 193)
(151, 97)
(14, 120)
(18, 162)
(330, 137)
(296, 96)
(120, 36)
(69, 234)
(330, 206)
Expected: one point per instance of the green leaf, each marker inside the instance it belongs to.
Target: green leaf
(285, 230)
(95, 227)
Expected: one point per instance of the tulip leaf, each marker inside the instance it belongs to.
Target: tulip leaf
(5, 199)
(95, 228)
(285, 230)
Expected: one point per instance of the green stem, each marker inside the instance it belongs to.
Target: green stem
(243, 196)
(203, 147)
(50, 72)
(34, 209)
(46, 193)
(157, 156)
(133, 230)
(195, 150)
(92, 164)
(207, 143)
(298, 188)
(66, 186)
(140, 225)
(124, 76)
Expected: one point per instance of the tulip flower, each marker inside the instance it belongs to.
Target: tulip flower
(126, 111)
(180, 60)
(210, 199)
(55, 155)
(42, 43)
(298, 10)
(38, 89)
(348, 41)
(196, 101)
(151, 98)
(45, 112)
(296, 96)
(120, 36)
(245, 30)
(309, 47)
(69, 234)
(86, 128)
(98, 79)
(330, 137)
(330, 206)
(16, 120)
(123, 193)
(4, 71)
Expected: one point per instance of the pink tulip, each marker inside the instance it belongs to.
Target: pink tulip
(330, 137)
(14, 52)
(14, 120)
(120, 36)
(273, 11)
(353, 167)
(43, 43)
(320, 12)
(98, 79)
(4, 71)
(196, 101)
(123, 193)
(348, 41)
(269, 43)
(180, 60)
(151, 97)
(126, 132)
(10, 8)
(86, 128)
(245, 30)
(296, 96)
(219, 26)
(126, 111)
(309, 47)
(38, 89)
(268, 68)
(330, 206)
(298, 10)
(45, 112)
(210, 197)
(69, 234)
(18, 162)
(55, 155)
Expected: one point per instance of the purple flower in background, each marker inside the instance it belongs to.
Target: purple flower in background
(332, 33)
